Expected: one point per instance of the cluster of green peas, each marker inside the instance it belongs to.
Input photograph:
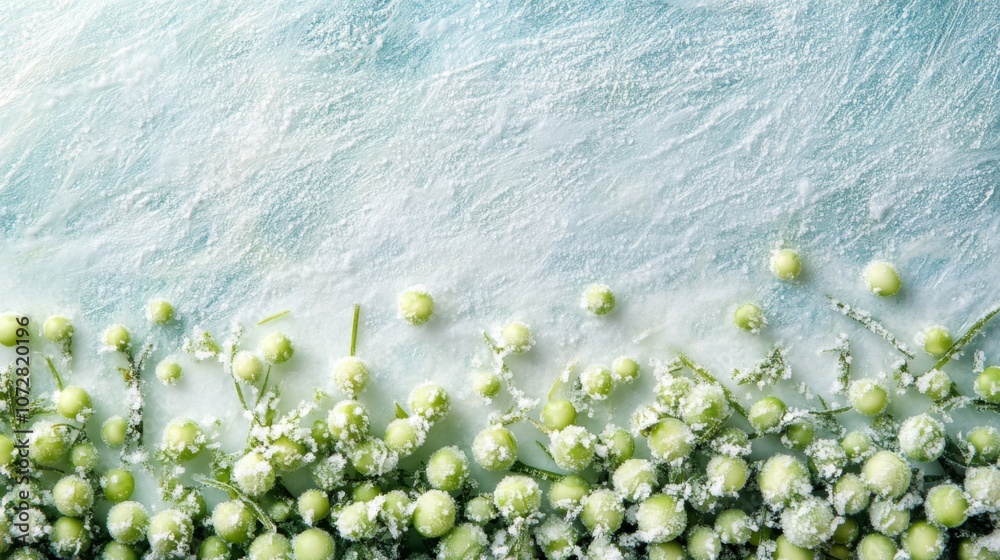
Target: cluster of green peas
(689, 499)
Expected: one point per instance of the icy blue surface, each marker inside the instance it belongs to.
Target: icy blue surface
(243, 158)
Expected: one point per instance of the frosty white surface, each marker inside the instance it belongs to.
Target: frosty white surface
(243, 160)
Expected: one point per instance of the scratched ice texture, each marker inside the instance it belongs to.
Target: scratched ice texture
(241, 158)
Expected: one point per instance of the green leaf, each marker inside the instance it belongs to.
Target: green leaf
(866, 320)
(965, 338)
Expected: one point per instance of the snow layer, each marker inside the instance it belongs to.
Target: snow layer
(241, 159)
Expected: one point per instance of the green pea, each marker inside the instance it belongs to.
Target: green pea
(254, 474)
(48, 445)
(634, 479)
(416, 305)
(785, 550)
(619, 446)
(734, 526)
(276, 348)
(117, 338)
(73, 496)
(58, 328)
(348, 422)
(118, 485)
(922, 438)
(876, 547)
(667, 551)
(314, 544)
(572, 448)
(556, 538)
(703, 544)
(598, 299)
(160, 311)
(923, 541)
(182, 440)
(670, 440)
(749, 317)
(767, 413)
(850, 495)
(847, 531)
(808, 523)
(726, 475)
(434, 514)
(7, 453)
(9, 327)
(270, 546)
(214, 548)
(624, 369)
(947, 506)
(856, 445)
(783, 479)
(464, 541)
(660, 518)
(83, 457)
(516, 338)
(113, 431)
(128, 522)
(404, 435)
(234, 522)
(170, 533)
(988, 384)
(886, 474)
(430, 401)
(480, 509)
(74, 403)
(487, 384)
(69, 537)
(882, 279)
(115, 550)
(935, 384)
(366, 491)
(785, 264)
(602, 512)
(984, 441)
(868, 397)
(248, 367)
(937, 341)
(447, 469)
(557, 414)
(168, 372)
(597, 382)
(287, 454)
(798, 435)
(567, 493)
(350, 375)
(494, 449)
(373, 457)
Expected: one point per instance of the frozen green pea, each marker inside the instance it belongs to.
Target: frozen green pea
(888, 518)
(726, 475)
(182, 440)
(808, 523)
(253, 474)
(935, 384)
(624, 369)
(618, 446)
(598, 299)
(847, 531)
(634, 479)
(313, 506)
(572, 448)
(276, 348)
(168, 372)
(749, 317)
(517, 497)
(558, 414)
(556, 538)
(597, 382)
(876, 547)
(430, 401)
(670, 440)
(886, 474)
(767, 413)
(234, 522)
(170, 533)
(74, 403)
(856, 445)
(785, 264)
(73, 496)
(667, 551)
(127, 522)
(946, 505)
(270, 546)
(348, 422)
(922, 438)
(160, 311)
(7, 452)
(313, 544)
(785, 550)
(734, 526)
(213, 548)
(113, 431)
(882, 279)
(850, 495)
(366, 491)
(798, 435)
(923, 541)
(602, 513)
(248, 367)
(868, 397)
(48, 444)
(567, 493)
(783, 479)
(984, 442)
(487, 384)
(117, 485)
(462, 542)
(373, 457)
(415, 305)
(117, 338)
(703, 544)
(660, 518)
(494, 449)
(287, 454)
(480, 509)
(447, 469)
(404, 435)
(988, 384)
(83, 457)
(936, 341)
(516, 338)
(58, 328)
(705, 408)
(350, 375)
(434, 514)
(69, 537)
(115, 550)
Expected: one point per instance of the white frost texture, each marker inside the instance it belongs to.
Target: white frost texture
(242, 159)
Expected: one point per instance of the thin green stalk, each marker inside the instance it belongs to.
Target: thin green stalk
(536, 472)
(55, 374)
(865, 319)
(258, 512)
(263, 388)
(965, 338)
(354, 329)
(277, 315)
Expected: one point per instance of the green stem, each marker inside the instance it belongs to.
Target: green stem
(867, 321)
(354, 329)
(263, 388)
(965, 338)
(277, 315)
(832, 412)
(55, 374)
(536, 472)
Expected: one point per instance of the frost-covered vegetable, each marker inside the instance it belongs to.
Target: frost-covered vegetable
(706, 479)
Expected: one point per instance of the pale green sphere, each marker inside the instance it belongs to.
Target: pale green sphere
(767, 413)
(416, 305)
(73, 496)
(868, 397)
(602, 512)
(660, 518)
(8, 330)
(703, 544)
(58, 328)
(876, 547)
(314, 544)
(182, 440)
(749, 317)
(434, 514)
(937, 341)
(169, 533)
(782, 479)
(567, 493)
(74, 403)
(464, 542)
(785, 264)
(127, 522)
(248, 367)
(487, 384)
(276, 348)
(517, 496)
(516, 338)
(886, 474)
(598, 299)
(808, 523)
(670, 440)
(882, 279)
(350, 375)
(988, 384)
(168, 372)
(113, 431)
(234, 522)
(494, 449)
(922, 438)
(117, 338)
(270, 546)
(947, 506)
(985, 443)
(923, 541)
(734, 526)
(160, 311)
(624, 369)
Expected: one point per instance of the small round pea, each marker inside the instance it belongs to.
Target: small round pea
(7, 452)
(447, 469)
(83, 457)
(703, 544)
(850, 495)
(58, 328)
(480, 509)
(572, 448)
(598, 299)
(516, 338)
(556, 538)
(313, 506)
(847, 531)
(213, 548)
(434, 514)
(619, 446)
(567, 492)
(416, 305)
(160, 311)
(404, 435)
(113, 431)
(734, 526)
(248, 367)
(69, 537)
(767, 413)
(888, 518)
(946, 505)
(182, 440)
(922, 438)
(602, 512)
(314, 544)
(705, 407)
(671, 390)
(74, 403)
(170, 533)
(494, 449)
(486, 384)
(731, 442)
(464, 541)
(234, 522)
(270, 546)
(667, 551)
(785, 550)
(276, 348)
(670, 440)
(597, 382)
(782, 479)
(517, 497)
(808, 523)
(624, 369)
(430, 401)
(984, 442)
(373, 457)
(348, 422)
(168, 372)
(923, 541)
(366, 491)
(798, 435)
(73, 496)
(882, 279)
(988, 384)
(856, 445)
(117, 338)
(876, 547)
(558, 414)
(749, 317)
(937, 341)
(868, 397)
(886, 474)
(726, 475)
(350, 375)
(9, 326)
(785, 264)
(395, 513)
(826, 458)
(286, 454)
(634, 479)
(48, 444)
(969, 549)
(254, 474)
(127, 522)
(115, 550)
(935, 384)
(982, 484)
(660, 518)
(117, 485)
